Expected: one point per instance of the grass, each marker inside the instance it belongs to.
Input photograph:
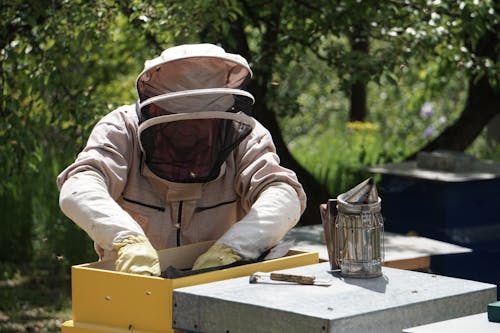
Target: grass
(35, 300)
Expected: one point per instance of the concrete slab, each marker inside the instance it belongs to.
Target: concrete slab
(475, 323)
(397, 300)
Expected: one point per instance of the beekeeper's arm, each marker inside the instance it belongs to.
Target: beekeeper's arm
(273, 197)
(87, 188)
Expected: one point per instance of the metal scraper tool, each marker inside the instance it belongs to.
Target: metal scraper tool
(285, 277)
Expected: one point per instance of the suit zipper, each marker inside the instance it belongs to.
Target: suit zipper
(178, 225)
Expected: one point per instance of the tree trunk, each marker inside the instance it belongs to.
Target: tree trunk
(493, 130)
(316, 193)
(482, 105)
(358, 110)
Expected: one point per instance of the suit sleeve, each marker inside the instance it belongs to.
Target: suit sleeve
(90, 185)
(272, 194)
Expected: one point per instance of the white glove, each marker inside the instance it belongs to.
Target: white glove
(217, 255)
(136, 255)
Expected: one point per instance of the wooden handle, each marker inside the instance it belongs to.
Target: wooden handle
(302, 279)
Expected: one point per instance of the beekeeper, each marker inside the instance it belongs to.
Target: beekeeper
(185, 164)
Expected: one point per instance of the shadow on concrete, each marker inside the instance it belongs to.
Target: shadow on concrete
(378, 284)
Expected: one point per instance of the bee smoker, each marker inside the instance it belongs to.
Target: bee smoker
(354, 227)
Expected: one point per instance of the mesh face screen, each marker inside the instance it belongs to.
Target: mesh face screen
(191, 151)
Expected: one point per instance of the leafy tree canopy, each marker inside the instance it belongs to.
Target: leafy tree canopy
(66, 63)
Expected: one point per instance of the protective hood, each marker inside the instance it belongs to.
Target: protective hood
(186, 136)
(191, 111)
(192, 66)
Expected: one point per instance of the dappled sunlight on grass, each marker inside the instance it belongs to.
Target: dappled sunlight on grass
(35, 301)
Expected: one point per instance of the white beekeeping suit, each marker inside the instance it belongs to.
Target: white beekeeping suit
(185, 164)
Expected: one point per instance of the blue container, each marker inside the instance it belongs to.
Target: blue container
(461, 208)
(463, 213)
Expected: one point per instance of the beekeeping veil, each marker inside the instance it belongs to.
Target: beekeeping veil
(192, 112)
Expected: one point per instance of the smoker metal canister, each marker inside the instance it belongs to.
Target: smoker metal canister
(358, 238)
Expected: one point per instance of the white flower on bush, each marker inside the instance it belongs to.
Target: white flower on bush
(428, 132)
(427, 110)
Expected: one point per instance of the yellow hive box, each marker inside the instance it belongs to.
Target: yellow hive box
(107, 301)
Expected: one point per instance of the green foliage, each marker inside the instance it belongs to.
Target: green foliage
(484, 148)
(16, 227)
(64, 64)
(337, 157)
(55, 64)
(55, 238)
(401, 117)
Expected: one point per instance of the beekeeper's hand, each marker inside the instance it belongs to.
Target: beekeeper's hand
(136, 255)
(217, 255)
